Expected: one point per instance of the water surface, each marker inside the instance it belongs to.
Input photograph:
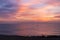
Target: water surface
(30, 28)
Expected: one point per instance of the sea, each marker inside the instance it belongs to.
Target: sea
(30, 28)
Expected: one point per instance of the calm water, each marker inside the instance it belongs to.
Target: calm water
(26, 28)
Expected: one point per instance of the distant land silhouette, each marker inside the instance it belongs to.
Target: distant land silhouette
(16, 37)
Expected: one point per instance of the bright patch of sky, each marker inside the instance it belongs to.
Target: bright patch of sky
(38, 5)
(25, 1)
(55, 9)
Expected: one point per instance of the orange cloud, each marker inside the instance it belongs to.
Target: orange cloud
(24, 13)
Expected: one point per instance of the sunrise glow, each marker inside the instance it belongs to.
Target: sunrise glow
(33, 10)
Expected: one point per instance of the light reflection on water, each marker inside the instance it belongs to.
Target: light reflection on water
(24, 29)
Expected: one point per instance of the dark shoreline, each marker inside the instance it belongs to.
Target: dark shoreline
(16, 37)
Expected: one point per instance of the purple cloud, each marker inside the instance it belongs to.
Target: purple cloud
(57, 16)
(7, 8)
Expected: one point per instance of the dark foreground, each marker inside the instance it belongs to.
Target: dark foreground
(14, 37)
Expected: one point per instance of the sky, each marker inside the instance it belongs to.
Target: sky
(29, 10)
